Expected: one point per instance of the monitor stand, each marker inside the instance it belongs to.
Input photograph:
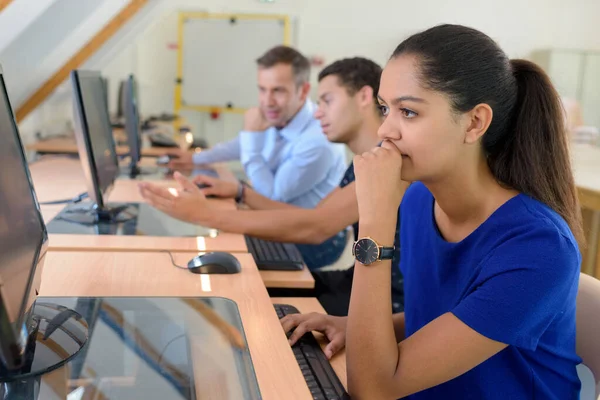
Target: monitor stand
(136, 219)
(56, 335)
(86, 215)
(150, 172)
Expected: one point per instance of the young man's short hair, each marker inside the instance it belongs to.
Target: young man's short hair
(354, 74)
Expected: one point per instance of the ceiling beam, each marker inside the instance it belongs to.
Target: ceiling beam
(4, 3)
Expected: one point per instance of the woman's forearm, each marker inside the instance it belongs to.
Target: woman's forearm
(371, 342)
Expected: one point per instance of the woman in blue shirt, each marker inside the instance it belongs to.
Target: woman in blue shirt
(489, 232)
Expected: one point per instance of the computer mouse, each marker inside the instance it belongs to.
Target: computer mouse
(216, 262)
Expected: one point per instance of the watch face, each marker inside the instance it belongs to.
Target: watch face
(366, 251)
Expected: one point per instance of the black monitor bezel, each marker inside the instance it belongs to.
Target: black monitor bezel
(84, 144)
(19, 326)
(132, 121)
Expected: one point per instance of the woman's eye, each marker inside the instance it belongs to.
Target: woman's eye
(384, 110)
(408, 113)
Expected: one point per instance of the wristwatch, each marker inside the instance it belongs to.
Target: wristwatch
(367, 251)
(239, 198)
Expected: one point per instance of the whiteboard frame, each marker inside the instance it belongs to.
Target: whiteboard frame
(185, 15)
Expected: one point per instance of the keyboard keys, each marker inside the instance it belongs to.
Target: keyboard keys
(270, 255)
(320, 377)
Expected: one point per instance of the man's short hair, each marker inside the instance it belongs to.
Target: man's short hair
(287, 55)
(354, 74)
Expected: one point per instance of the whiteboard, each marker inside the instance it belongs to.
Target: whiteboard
(219, 59)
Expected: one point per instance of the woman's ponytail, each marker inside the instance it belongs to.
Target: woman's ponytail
(533, 157)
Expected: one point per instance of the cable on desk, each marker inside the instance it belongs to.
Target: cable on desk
(172, 259)
(75, 199)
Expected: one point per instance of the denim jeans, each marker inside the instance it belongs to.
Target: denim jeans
(321, 255)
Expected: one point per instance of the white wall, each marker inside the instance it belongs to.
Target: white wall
(17, 16)
(41, 49)
(338, 28)
(79, 21)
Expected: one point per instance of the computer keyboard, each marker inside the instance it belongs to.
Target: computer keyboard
(320, 377)
(159, 139)
(274, 255)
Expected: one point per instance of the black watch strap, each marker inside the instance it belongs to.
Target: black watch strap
(386, 253)
(239, 197)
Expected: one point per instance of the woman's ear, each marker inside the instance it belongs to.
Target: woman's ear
(479, 120)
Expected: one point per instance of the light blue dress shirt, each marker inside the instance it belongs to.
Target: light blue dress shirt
(295, 164)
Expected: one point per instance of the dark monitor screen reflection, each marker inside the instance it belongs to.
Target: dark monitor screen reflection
(156, 349)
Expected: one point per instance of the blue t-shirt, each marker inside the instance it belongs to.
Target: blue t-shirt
(513, 280)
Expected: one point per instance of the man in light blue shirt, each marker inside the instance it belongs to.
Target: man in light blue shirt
(282, 147)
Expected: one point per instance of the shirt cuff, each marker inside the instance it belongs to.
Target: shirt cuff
(197, 158)
(251, 144)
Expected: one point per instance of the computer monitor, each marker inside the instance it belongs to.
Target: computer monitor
(96, 145)
(132, 124)
(120, 97)
(105, 87)
(23, 244)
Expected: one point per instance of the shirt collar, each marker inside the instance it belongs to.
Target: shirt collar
(299, 122)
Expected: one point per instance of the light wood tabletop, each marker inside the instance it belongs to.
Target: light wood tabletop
(62, 178)
(57, 178)
(68, 145)
(309, 305)
(105, 274)
(586, 167)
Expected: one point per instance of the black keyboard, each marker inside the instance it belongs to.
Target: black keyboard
(320, 377)
(159, 139)
(274, 255)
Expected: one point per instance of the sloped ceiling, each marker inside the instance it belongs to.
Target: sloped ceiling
(35, 41)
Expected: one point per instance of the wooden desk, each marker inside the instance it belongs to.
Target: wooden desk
(586, 166)
(62, 178)
(69, 146)
(105, 274)
(308, 305)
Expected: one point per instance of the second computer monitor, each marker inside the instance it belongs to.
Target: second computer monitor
(93, 133)
(132, 122)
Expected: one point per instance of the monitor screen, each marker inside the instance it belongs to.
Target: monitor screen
(94, 134)
(132, 119)
(22, 230)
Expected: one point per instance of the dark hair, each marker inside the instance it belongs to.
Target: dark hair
(526, 143)
(287, 55)
(354, 74)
